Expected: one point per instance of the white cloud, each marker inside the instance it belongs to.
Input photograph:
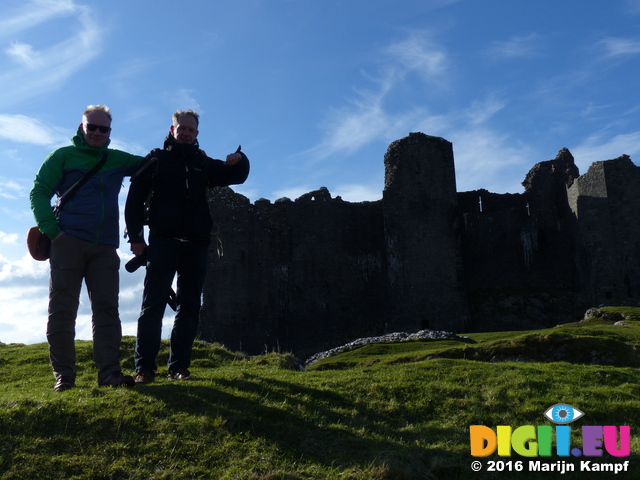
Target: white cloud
(44, 70)
(621, 46)
(24, 295)
(34, 13)
(23, 129)
(364, 121)
(23, 53)
(24, 292)
(11, 189)
(249, 191)
(598, 147)
(485, 159)
(18, 215)
(358, 192)
(348, 130)
(368, 118)
(9, 238)
(292, 192)
(349, 192)
(183, 99)
(420, 55)
(516, 47)
(481, 111)
(130, 147)
(25, 268)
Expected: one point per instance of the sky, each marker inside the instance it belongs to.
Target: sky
(314, 91)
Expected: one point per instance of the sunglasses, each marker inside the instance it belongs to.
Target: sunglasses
(92, 128)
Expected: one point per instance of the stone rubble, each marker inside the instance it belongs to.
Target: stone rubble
(389, 338)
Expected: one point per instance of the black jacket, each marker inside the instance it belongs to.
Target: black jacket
(176, 179)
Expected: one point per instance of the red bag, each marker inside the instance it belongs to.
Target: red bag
(38, 244)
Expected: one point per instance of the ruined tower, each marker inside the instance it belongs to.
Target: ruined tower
(422, 239)
(605, 201)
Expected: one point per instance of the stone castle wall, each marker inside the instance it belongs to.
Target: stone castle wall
(605, 201)
(314, 273)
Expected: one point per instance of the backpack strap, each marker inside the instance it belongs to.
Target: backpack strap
(153, 160)
(66, 196)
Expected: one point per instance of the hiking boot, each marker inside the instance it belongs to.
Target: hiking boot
(63, 383)
(182, 374)
(117, 379)
(145, 376)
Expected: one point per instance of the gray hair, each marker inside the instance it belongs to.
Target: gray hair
(98, 108)
(186, 112)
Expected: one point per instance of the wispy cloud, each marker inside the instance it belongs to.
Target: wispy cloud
(23, 54)
(483, 157)
(419, 54)
(11, 189)
(600, 147)
(482, 110)
(43, 68)
(615, 46)
(516, 47)
(633, 6)
(487, 159)
(349, 128)
(183, 99)
(23, 129)
(34, 13)
(367, 117)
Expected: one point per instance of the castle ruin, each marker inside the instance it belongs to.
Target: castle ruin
(312, 274)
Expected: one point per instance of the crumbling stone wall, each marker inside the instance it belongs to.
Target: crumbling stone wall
(299, 276)
(519, 251)
(314, 273)
(605, 202)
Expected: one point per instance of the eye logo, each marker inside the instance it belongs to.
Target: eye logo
(562, 413)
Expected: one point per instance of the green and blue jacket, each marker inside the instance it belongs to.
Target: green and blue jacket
(92, 214)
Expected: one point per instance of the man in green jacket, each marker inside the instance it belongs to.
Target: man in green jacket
(85, 236)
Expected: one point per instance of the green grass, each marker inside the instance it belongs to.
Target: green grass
(381, 412)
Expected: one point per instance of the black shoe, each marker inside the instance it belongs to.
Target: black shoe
(182, 374)
(117, 379)
(144, 377)
(63, 383)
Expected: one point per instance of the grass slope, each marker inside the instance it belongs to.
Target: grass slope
(381, 412)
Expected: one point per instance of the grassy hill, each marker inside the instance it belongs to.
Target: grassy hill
(381, 412)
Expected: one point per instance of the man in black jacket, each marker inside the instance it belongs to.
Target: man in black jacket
(173, 183)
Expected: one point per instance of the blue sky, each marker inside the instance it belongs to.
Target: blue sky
(314, 91)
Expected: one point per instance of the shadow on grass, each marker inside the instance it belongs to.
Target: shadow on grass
(306, 423)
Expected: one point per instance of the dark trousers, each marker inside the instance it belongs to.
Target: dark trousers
(72, 261)
(165, 258)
